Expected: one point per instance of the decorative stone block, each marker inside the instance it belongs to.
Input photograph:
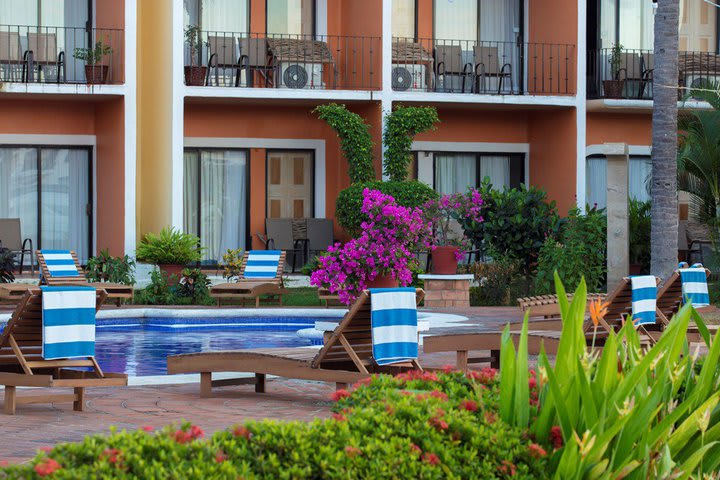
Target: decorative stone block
(447, 291)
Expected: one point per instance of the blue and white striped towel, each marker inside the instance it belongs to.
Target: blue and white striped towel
(60, 263)
(694, 285)
(68, 322)
(393, 313)
(262, 264)
(644, 299)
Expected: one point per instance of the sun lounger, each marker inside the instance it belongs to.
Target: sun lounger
(62, 267)
(671, 295)
(346, 357)
(51, 332)
(261, 273)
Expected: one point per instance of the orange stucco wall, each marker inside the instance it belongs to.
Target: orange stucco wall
(424, 14)
(110, 176)
(458, 125)
(110, 24)
(632, 129)
(29, 116)
(553, 154)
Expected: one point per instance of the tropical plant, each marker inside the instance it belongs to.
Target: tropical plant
(232, 264)
(618, 413)
(93, 56)
(348, 206)
(615, 60)
(158, 291)
(7, 264)
(664, 220)
(450, 211)
(193, 288)
(387, 246)
(355, 140)
(194, 41)
(639, 213)
(496, 280)
(169, 247)
(106, 268)
(401, 125)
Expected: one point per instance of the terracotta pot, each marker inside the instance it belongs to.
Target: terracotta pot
(613, 88)
(96, 74)
(195, 76)
(383, 281)
(444, 261)
(173, 272)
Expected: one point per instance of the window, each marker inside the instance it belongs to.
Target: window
(628, 22)
(215, 199)
(456, 19)
(472, 20)
(291, 17)
(49, 190)
(403, 18)
(46, 13)
(217, 16)
(639, 168)
(455, 172)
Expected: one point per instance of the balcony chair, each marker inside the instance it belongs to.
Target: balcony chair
(630, 70)
(254, 58)
(648, 67)
(42, 49)
(10, 54)
(487, 65)
(223, 55)
(449, 63)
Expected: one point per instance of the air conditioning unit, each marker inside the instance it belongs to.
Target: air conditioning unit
(301, 75)
(700, 80)
(409, 77)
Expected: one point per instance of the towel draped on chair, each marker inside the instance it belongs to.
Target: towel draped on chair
(60, 263)
(694, 285)
(68, 322)
(394, 325)
(262, 264)
(644, 299)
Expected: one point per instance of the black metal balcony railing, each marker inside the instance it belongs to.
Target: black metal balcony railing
(484, 67)
(631, 75)
(48, 54)
(327, 62)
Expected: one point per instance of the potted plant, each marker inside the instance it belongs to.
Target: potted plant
(382, 256)
(95, 73)
(449, 215)
(171, 250)
(614, 87)
(194, 73)
(7, 264)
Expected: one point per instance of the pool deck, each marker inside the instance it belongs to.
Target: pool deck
(37, 426)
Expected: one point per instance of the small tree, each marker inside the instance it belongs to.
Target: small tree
(192, 36)
(615, 60)
(401, 125)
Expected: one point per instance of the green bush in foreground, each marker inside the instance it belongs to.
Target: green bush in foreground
(415, 425)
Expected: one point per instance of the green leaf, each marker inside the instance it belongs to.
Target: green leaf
(507, 376)
(522, 389)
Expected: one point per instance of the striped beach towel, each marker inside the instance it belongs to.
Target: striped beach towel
(644, 299)
(394, 325)
(68, 322)
(60, 263)
(262, 264)
(694, 285)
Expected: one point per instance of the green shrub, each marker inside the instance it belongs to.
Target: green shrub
(7, 264)
(232, 263)
(578, 250)
(499, 282)
(349, 202)
(416, 425)
(192, 288)
(106, 268)
(401, 125)
(639, 213)
(169, 247)
(355, 140)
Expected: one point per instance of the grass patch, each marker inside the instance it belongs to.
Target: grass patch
(302, 297)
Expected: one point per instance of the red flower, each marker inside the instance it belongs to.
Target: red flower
(47, 467)
(448, 368)
(532, 383)
(339, 417)
(46, 449)
(147, 428)
(490, 417)
(430, 458)
(438, 394)
(469, 405)
(339, 395)
(438, 423)
(240, 431)
(536, 451)
(181, 436)
(484, 376)
(111, 454)
(415, 449)
(508, 468)
(351, 451)
(220, 456)
(196, 432)
(364, 381)
(556, 437)
(4, 463)
(532, 372)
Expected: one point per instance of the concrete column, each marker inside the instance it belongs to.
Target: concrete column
(618, 227)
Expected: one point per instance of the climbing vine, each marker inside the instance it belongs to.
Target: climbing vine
(355, 140)
(401, 125)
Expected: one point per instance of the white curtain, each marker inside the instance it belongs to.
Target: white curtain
(497, 168)
(64, 195)
(456, 20)
(190, 192)
(289, 17)
(455, 172)
(18, 189)
(636, 24)
(18, 12)
(403, 18)
(639, 169)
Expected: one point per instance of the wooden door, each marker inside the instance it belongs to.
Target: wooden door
(290, 185)
(697, 26)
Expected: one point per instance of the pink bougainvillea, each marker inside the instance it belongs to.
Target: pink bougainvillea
(454, 210)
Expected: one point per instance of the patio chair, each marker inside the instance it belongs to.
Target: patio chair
(448, 64)
(261, 273)
(353, 351)
(487, 66)
(320, 235)
(631, 71)
(11, 54)
(290, 236)
(62, 267)
(36, 351)
(254, 58)
(42, 51)
(11, 238)
(223, 55)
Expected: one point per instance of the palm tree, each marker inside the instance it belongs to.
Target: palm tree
(664, 222)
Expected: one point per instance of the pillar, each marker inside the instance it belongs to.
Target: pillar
(618, 226)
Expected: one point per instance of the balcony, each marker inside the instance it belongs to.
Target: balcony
(31, 54)
(316, 62)
(483, 67)
(631, 76)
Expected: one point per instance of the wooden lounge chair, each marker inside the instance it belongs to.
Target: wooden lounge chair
(252, 287)
(345, 358)
(670, 298)
(115, 291)
(22, 363)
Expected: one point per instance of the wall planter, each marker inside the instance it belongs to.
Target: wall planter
(195, 76)
(613, 88)
(444, 261)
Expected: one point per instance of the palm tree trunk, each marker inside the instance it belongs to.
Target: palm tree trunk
(664, 219)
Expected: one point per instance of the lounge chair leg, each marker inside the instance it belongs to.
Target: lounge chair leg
(462, 360)
(259, 383)
(495, 359)
(9, 407)
(205, 384)
(79, 402)
(340, 385)
(257, 301)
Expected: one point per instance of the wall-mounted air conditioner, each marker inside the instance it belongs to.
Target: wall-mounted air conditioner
(409, 77)
(301, 75)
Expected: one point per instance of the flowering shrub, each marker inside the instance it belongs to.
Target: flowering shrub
(415, 425)
(387, 245)
(449, 213)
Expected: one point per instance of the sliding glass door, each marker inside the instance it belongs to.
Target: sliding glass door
(629, 23)
(216, 199)
(50, 191)
(639, 170)
(290, 17)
